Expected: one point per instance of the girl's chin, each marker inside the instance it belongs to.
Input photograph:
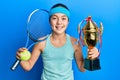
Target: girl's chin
(60, 32)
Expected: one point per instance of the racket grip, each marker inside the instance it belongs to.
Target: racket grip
(15, 64)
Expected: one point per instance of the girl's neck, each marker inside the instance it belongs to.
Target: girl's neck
(58, 36)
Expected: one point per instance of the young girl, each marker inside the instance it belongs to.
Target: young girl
(58, 50)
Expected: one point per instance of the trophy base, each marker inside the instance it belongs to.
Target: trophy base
(92, 65)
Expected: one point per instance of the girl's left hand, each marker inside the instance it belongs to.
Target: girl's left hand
(93, 53)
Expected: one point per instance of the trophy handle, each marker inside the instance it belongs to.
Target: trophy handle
(100, 36)
(101, 28)
(80, 33)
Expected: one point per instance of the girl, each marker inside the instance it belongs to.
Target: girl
(58, 50)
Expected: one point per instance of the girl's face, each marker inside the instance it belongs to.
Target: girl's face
(59, 22)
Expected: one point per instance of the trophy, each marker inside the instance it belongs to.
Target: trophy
(89, 35)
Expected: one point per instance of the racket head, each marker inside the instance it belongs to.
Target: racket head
(38, 26)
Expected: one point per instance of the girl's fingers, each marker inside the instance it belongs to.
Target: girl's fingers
(18, 56)
(21, 49)
(93, 53)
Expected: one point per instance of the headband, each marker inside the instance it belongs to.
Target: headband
(59, 10)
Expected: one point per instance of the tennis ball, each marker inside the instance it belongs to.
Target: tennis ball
(25, 55)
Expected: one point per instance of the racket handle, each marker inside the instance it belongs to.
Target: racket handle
(15, 65)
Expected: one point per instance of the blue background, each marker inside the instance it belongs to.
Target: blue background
(13, 18)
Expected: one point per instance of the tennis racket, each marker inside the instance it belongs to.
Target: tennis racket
(38, 29)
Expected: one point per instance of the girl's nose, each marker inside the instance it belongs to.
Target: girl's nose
(59, 21)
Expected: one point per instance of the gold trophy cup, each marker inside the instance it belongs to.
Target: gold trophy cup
(89, 35)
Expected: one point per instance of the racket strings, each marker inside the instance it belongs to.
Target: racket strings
(38, 26)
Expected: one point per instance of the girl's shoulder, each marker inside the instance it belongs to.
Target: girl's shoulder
(41, 45)
(73, 40)
(75, 43)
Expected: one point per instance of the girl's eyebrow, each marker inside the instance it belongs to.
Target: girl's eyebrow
(55, 15)
(64, 16)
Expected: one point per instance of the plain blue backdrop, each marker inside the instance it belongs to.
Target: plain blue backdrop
(13, 18)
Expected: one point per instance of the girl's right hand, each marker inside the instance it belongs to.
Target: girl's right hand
(18, 55)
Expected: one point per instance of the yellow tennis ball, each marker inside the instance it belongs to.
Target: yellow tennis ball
(25, 55)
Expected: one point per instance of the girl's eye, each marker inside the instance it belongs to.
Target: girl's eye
(64, 18)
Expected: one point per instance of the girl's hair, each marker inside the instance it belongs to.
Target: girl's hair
(60, 5)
